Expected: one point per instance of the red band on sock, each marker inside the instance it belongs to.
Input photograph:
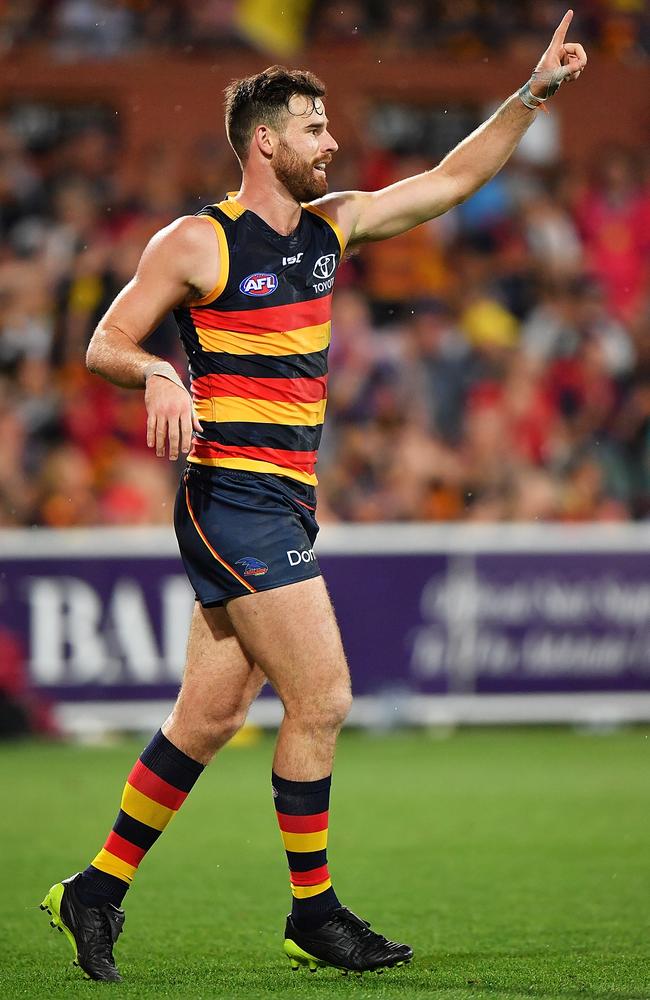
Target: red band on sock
(124, 849)
(312, 877)
(145, 781)
(303, 824)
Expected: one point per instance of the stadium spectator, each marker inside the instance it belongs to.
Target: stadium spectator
(96, 29)
(493, 364)
(613, 217)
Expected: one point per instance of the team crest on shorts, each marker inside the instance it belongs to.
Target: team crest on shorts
(252, 566)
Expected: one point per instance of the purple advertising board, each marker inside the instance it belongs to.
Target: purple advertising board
(104, 615)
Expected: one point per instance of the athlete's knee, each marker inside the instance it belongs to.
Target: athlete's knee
(219, 723)
(340, 705)
(223, 725)
(209, 725)
(323, 711)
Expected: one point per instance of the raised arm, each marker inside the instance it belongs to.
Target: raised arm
(378, 215)
(180, 264)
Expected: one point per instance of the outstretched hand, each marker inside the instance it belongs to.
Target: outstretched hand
(562, 61)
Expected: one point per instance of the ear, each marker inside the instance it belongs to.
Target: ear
(264, 139)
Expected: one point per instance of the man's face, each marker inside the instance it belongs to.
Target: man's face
(305, 148)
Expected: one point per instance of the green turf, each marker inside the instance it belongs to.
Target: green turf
(516, 863)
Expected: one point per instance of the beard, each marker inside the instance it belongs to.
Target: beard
(298, 176)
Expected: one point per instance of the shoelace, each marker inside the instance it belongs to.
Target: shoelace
(102, 945)
(361, 927)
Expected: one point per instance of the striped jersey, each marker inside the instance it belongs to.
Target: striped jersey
(257, 344)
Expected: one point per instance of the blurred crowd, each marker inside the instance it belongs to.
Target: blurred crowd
(75, 29)
(495, 364)
(491, 365)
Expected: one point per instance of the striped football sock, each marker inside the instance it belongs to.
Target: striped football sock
(155, 790)
(302, 811)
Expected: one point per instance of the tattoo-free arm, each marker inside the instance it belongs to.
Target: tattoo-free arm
(166, 274)
(377, 215)
(395, 209)
(180, 264)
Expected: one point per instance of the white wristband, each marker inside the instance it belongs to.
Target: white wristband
(553, 80)
(165, 370)
(528, 99)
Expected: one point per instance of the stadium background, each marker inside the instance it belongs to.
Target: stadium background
(484, 494)
(486, 459)
(490, 366)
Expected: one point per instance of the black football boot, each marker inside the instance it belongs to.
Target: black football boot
(344, 942)
(91, 930)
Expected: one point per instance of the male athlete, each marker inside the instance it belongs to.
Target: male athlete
(250, 282)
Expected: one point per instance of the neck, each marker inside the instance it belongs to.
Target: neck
(269, 199)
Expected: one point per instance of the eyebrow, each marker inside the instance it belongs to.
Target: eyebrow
(320, 124)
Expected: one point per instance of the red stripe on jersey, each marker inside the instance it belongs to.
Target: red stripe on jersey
(124, 849)
(272, 319)
(289, 390)
(303, 461)
(142, 778)
(303, 824)
(312, 877)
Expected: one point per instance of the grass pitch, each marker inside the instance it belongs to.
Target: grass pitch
(517, 864)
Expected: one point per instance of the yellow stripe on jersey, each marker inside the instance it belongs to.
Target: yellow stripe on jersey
(253, 465)
(231, 207)
(260, 411)
(306, 340)
(301, 843)
(224, 264)
(107, 862)
(142, 808)
(338, 232)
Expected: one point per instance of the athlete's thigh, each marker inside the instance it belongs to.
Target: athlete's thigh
(220, 678)
(241, 533)
(292, 634)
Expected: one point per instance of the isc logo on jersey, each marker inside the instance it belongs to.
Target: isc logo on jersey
(259, 284)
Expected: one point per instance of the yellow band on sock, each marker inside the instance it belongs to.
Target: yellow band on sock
(306, 891)
(107, 862)
(304, 842)
(144, 809)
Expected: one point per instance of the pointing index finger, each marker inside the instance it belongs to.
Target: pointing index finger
(561, 30)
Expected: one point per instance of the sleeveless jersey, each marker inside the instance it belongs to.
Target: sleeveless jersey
(257, 344)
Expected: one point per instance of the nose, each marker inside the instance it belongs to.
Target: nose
(330, 145)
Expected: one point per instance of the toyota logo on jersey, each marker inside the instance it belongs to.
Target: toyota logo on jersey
(259, 284)
(325, 266)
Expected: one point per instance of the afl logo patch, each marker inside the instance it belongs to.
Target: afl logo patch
(259, 284)
(325, 266)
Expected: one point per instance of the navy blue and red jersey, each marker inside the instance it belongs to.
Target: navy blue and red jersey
(257, 344)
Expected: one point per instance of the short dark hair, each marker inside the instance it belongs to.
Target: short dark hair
(264, 98)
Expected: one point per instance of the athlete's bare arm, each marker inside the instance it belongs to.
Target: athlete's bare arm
(179, 265)
(366, 216)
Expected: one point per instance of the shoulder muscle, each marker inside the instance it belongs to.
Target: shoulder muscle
(179, 264)
(184, 255)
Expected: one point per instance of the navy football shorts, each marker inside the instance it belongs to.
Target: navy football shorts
(241, 532)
